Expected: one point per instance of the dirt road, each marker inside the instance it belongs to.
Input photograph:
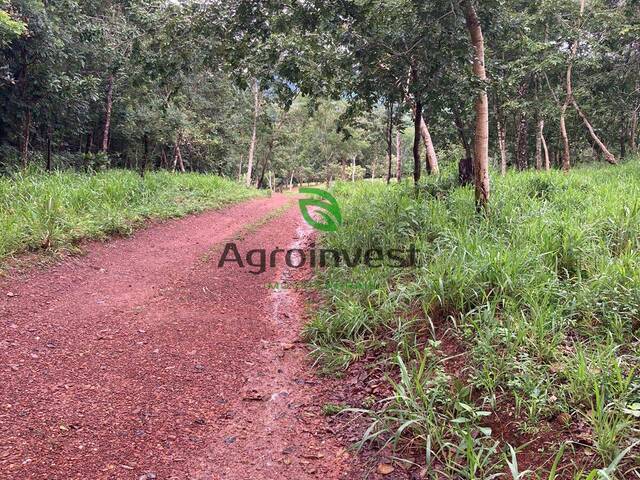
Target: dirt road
(142, 359)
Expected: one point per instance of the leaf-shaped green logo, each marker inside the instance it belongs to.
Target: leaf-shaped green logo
(327, 208)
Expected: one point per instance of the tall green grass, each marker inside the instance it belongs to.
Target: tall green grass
(543, 293)
(39, 210)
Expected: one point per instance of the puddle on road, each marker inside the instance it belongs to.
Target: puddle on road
(282, 300)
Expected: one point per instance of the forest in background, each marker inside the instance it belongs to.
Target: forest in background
(284, 92)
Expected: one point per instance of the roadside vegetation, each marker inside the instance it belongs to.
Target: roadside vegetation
(525, 319)
(56, 210)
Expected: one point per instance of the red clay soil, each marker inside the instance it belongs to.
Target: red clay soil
(142, 359)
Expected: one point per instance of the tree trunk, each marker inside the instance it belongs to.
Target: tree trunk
(177, 155)
(417, 121)
(145, 157)
(252, 145)
(87, 150)
(481, 137)
(432, 163)
(566, 150)
(570, 99)
(353, 169)
(107, 115)
(26, 135)
(398, 157)
(240, 169)
(623, 136)
(431, 157)
(547, 163)
(89, 145)
(180, 162)
(457, 120)
(522, 142)
(633, 134)
(164, 162)
(291, 181)
(539, 134)
(609, 157)
(49, 135)
(266, 161)
(502, 141)
(566, 154)
(389, 141)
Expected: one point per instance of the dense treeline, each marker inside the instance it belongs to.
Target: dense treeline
(278, 92)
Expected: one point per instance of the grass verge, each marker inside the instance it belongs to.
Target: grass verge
(54, 211)
(511, 350)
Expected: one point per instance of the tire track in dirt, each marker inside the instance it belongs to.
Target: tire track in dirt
(140, 359)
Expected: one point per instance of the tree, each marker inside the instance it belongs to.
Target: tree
(481, 137)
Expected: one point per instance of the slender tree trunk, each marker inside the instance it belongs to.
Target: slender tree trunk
(87, 150)
(431, 157)
(180, 161)
(633, 134)
(389, 142)
(145, 156)
(107, 115)
(417, 120)
(260, 181)
(49, 148)
(502, 145)
(373, 169)
(164, 162)
(566, 149)
(539, 136)
(240, 168)
(432, 161)
(522, 142)
(481, 137)
(570, 99)
(177, 155)
(609, 157)
(266, 161)
(457, 120)
(566, 153)
(252, 145)
(49, 140)
(547, 163)
(502, 138)
(291, 181)
(522, 135)
(353, 169)
(623, 136)
(398, 157)
(26, 135)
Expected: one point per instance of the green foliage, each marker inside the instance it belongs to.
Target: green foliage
(542, 294)
(9, 27)
(38, 210)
